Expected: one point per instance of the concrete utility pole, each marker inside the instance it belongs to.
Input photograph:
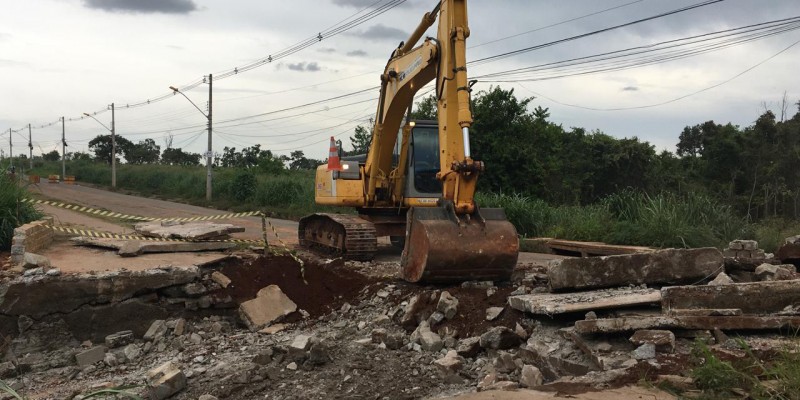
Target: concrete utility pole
(10, 149)
(63, 152)
(30, 146)
(113, 151)
(209, 154)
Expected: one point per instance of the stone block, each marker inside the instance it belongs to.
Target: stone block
(119, 339)
(91, 356)
(157, 329)
(660, 267)
(530, 376)
(751, 298)
(499, 337)
(269, 306)
(447, 305)
(164, 381)
(663, 340)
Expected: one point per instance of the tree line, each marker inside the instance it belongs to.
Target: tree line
(754, 169)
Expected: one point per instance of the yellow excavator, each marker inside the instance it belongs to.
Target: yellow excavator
(417, 181)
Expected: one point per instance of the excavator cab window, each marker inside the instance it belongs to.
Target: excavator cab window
(425, 159)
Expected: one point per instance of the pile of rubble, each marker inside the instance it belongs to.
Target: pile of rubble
(343, 330)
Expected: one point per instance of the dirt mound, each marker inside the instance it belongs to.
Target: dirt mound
(316, 288)
(472, 304)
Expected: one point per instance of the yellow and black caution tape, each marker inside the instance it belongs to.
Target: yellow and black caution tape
(130, 217)
(108, 235)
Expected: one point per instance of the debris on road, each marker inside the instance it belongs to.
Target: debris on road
(187, 230)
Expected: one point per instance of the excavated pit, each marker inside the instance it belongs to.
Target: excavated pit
(83, 307)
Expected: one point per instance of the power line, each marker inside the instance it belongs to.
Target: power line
(556, 24)
(675, 99)
(581, 36)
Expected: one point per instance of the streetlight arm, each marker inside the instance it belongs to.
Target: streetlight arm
(98, 121)
(174, 89)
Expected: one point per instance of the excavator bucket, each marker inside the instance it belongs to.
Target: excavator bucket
(441, 247)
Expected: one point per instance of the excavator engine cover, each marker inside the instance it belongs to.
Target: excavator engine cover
(443, 247)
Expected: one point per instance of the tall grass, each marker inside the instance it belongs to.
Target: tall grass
(13, 213)
(289, 194)
(627, 217)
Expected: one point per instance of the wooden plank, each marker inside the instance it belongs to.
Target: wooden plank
(561, 303)
(595, 248)
(744, 322)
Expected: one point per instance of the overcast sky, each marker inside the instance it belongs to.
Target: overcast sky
(66, 57)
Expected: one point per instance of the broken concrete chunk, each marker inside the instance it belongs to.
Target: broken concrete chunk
(769, 272)
(645, 352)
(447, 305)
(705, 312)
(721, 279)
(180, 327)
(751, 298)
(119, 339)
(273, 329)
(301, 343)
(164, 381)
(91, 356)
(132, 352)
(7, 370)
(530, 376)
(469, 347)
(663, 340)
(427, 339)
(220, 278)
(743, 245)
(493, 312)
(499, 337)
(32, 260)
(188, 230)
(450, 364)
(549, 304)
(157, 329)
(659, 267)
(269, 305)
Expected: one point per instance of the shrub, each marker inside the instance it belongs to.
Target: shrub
(13, 213)
(281, 192)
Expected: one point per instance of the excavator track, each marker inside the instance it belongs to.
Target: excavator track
(337, 235)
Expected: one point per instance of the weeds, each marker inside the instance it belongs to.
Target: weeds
(117, 393)
(13, 213)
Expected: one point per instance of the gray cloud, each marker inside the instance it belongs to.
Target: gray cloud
(143, 6)
(357, 53)
(326, 50)
(630, 89)
(4, 36)
(381, 32)
(303, 66)
(13, 63)
(354, 3)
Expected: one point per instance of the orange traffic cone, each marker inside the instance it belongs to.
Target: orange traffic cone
(333, 158)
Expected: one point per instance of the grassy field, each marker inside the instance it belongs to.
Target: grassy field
(626, 217)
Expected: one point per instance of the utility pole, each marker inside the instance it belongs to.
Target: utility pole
(63, 152)
(113, 151)
(209, 154)
(10, 149)
(30, 146)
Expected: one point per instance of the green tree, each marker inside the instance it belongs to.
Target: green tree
(172, 156)
(101, 147)
(144, 152)
(51, 156)
(425, 108)
(360, 141)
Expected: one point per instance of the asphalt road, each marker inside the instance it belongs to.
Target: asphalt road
(127, 204)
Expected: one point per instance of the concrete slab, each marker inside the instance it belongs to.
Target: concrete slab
(751, 298)
(74, 259)
(132, 248)
(744, 322)
(561, 303)
(660, 267)
(186, 230)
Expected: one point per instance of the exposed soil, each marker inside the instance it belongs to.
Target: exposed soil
(315, 288)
